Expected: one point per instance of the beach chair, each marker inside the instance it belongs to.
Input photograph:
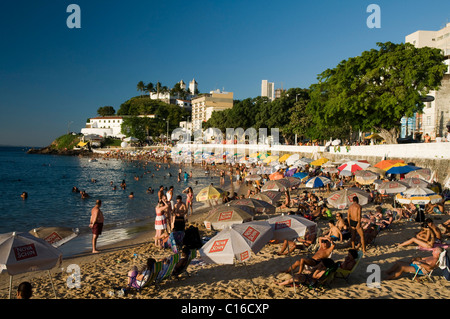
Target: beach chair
(345, 274)
(192, 255)
(424, 274)
(324, 281)
(167, 268)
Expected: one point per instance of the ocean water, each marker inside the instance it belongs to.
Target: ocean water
(48, 180)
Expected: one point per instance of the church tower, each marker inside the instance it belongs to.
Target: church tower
(193, 86)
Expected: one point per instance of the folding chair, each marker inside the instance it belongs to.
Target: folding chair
(345, 274)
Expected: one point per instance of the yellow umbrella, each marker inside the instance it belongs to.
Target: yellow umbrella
(209, 192)
(270, 158)
(254, 155)
(319, 162)
(284, 158)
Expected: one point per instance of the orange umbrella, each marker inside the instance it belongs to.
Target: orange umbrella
(387, 164)
(276, 176)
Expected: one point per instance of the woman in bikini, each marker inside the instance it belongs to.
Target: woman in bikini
(190, 198)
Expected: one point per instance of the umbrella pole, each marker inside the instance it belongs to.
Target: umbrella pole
(292, 270)
(10, 285)
(51, 280)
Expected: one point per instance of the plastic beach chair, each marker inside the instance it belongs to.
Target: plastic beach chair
(345, 274)
(421, 271)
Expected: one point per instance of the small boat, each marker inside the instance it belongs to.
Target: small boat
(91, 160)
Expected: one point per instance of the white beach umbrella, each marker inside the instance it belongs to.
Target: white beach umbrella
(55, 236)
(344, 198)
(290, 226)
(237, 242)
(272, 197)
(413, 182)
(365, 177)
(22, 252)
(391, 187)
(258, 205)
(225, 216)
(292, 159)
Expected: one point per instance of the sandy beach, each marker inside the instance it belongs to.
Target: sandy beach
(102, 273)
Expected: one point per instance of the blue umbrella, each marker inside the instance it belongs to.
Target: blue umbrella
(318, 181)
(300, 175)
(402, 169)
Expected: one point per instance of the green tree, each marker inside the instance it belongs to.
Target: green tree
(106, 111)
(376, 89)
(149, 88)
(140, 87)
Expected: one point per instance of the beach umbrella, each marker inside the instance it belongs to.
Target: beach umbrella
(344, 198)
(386, 164)
(423, 173)
(209, 192)
(330, 169)
(270, 158)
(292, 159)
(289, 227)
(237, 242)
(401, 168)
(319, 162)
(365, 177)
(253, 177)
(301, 175)
(55, 236)
(272, 197)
(376, 170)
(293, 181)
(284, 158)
(418, 195)
(349, 168)
(226, 215)
(413, 181)
(317, 181)
(258, 205)
(290, 172)
(275, 176)
(267, 170)
(279, 185)
(22, 252)
(392, 187)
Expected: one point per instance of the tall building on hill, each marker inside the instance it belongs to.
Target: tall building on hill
(205, 104)
(268, 89)
(436, 114)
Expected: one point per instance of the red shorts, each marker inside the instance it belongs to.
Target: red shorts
(97, 228)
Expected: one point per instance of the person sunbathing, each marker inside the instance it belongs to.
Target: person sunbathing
(334, 233)
(349, 260)
(311, 279)
(325, 250)
(136, 276)
(437, 232)
(424, 238)
(309, 239)
(426, 264)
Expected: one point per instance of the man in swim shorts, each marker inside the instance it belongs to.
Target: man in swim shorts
(96, 224)
(354, 220)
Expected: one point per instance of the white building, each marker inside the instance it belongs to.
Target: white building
(436, 113)
(105, 126)
(268, 89)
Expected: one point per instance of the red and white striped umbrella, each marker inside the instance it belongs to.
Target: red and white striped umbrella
(349, 168)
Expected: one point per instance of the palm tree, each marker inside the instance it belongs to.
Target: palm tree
(149, 88)
(141, 87)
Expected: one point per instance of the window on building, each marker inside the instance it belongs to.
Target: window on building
(428, 120)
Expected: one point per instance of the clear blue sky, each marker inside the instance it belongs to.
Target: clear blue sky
(51, 75)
